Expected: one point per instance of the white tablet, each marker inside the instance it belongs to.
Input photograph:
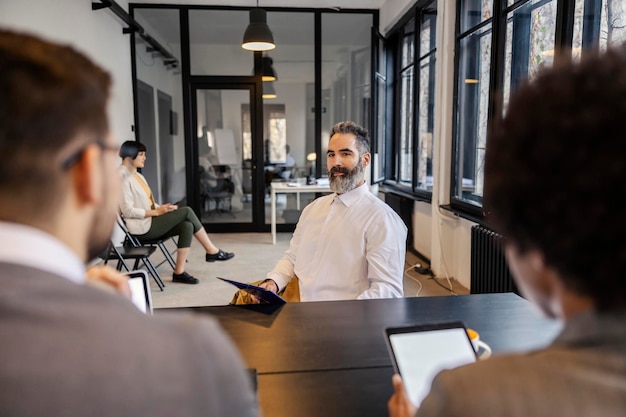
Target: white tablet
(140, 290)
(419, 353)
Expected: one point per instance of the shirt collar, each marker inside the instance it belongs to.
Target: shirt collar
(353, 195)
(35, 248)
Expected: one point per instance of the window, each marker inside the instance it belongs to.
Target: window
(406, 94)
(275, 138)
(472, 107)
(409, 167)
(426, 97)
(530, 36)
(497, 50)
(598, 24)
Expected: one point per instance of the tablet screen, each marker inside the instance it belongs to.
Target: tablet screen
(140, 291)
(419, 353)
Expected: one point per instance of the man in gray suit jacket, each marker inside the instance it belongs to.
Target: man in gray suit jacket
(68, 348)
(555, 188)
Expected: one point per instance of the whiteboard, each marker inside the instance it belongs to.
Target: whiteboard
(225, 147)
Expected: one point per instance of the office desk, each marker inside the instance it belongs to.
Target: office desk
(283, 188)
(329, 359)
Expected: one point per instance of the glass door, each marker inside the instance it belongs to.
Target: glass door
(225, 158)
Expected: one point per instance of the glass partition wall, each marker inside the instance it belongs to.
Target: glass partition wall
(225, 138)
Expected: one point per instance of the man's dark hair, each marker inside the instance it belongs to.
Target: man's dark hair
(50, 97)
(555, 174)
(362, 136)
(131, 148)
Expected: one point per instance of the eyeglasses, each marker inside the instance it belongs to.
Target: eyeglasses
(73, 158)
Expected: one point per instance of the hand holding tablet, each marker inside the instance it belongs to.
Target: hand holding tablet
(419, 353)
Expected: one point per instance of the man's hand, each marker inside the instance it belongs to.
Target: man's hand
(399, 404)
(268, 284)
(103, 276)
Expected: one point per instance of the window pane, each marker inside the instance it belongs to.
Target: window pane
(379, 151)
(288, 122)
(473, 96)
(530, 32)
(427, 30)
(346, 76)
(473, 12)
(218, 34)
(406, 127)
(426, 103)
(408, 44)
(426, 98)
(600, 24)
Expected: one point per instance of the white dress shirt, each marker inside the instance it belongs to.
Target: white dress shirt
(347, 246)
(25, 245)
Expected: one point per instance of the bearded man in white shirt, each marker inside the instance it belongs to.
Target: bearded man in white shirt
(349, 244)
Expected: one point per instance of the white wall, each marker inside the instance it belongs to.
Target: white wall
(98, 34)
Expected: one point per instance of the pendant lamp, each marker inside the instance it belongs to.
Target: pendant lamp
(268, 90)
(258, 36)
(268, 71)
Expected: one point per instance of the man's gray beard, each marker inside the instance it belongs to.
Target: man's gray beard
(347, 182)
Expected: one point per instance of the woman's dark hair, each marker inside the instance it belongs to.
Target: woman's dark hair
(131, 148)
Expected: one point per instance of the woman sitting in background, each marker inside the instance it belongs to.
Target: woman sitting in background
(147, 220)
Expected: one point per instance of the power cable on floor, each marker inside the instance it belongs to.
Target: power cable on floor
(414, 279)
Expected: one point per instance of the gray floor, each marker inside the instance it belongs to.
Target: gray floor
(254, 256)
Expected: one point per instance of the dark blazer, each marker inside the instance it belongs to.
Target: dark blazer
(73, 350)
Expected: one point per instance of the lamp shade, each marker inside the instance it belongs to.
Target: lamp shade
(268, 90)
(258, 36)
(269, 73)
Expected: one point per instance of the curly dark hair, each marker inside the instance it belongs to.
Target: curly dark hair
(362, 135)
(555, 177)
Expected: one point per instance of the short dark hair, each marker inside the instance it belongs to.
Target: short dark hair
(555, 174)
(362, 135)
(51, 96)
(131, 148)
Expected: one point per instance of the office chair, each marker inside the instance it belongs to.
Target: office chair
(218, 190)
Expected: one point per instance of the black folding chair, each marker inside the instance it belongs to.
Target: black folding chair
(132, 240)
(138, 254)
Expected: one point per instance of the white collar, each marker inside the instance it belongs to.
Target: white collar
(29, 246)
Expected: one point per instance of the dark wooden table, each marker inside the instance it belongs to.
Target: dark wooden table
(328, 359)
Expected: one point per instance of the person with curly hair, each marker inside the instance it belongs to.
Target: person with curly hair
(555, 188)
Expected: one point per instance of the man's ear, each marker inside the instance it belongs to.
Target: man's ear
(366, 159)
(87, 176)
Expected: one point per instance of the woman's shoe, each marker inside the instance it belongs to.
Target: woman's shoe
(184, 278)
(219, 256)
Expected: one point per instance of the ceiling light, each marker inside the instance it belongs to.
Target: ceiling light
(258, 36)
(269, 73)
(268, 90)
